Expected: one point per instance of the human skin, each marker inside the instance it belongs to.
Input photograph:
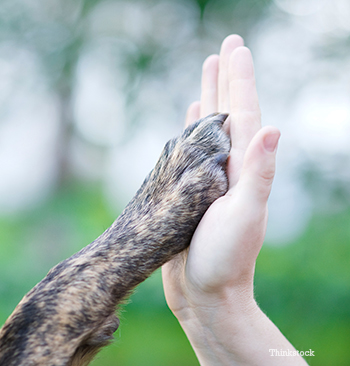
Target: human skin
(209, 287)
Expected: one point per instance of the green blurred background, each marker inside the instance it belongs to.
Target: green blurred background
(89, 93)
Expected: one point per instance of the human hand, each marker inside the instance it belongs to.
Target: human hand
(228, 239)
(209, 287)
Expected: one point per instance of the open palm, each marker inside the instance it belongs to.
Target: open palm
(227, 241)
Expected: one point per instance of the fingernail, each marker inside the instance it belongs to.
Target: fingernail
(271, 141)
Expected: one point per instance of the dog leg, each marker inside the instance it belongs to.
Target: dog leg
(69, 315)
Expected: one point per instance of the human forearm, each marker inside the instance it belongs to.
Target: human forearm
(210, 287)
(234, 335)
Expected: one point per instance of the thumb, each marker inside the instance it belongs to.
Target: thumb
(258, 168)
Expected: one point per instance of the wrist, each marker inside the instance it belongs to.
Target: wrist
(236, 332)
(215, 325)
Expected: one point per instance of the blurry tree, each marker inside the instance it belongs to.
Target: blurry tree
(57, 32)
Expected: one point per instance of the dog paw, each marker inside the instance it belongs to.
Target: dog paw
(193, 165)
(189, 176)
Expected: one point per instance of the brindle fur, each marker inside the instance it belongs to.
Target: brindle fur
(67, 317)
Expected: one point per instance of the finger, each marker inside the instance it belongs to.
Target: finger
(258, 169)
(209, 94)
(229, 44)
(193, 113)
(244, 103)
